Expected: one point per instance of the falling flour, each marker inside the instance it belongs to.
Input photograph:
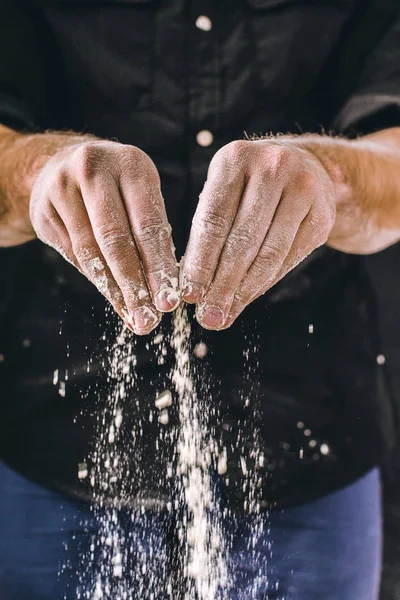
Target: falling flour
(204, 551)
(126, 560)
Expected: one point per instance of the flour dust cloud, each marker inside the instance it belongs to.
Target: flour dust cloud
(129, 555)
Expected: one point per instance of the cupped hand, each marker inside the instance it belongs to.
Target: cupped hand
(99, 204)
(266, 205)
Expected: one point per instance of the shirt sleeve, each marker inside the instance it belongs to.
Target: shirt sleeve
(375, 102)
(23, 69)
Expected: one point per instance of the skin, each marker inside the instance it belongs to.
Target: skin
(99, 204)
(266, 205)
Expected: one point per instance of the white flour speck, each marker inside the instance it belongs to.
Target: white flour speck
(381, 359)
(202, 543)
(164, 399)
(324, 449)
(200, 350)
(164, 417)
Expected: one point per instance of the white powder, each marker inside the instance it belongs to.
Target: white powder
(108, 572)
(200, 350)
(164, 418)
(204, 551)
(324, 449)
(98, 275)
(222, 463)
(380, 359)
(170, 288)
(82, 471)
(164, 400)
(202, 542)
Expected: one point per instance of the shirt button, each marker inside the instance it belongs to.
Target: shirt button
(204, 138)
(204, 23)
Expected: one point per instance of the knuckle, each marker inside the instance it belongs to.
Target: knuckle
(130, 292)
(243, 295)
(61, 182)
(239, 240)
(210, 223)
(261, 269)
(237, 147)
(307, 182)
(136, 156)
(136, 162)
(112, 238)
(87, 161)
(149, 229)
(198, 271)
(270, 255)
(278, 159)
(84, 246)
(233, 154)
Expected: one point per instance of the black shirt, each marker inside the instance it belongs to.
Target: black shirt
(146, 72)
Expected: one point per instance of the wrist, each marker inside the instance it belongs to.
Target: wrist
(23, 158)
(342, 162)
(331, 154)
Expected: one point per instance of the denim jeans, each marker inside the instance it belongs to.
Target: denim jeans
(329, 549)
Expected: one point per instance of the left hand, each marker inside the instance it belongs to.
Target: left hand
(266, 205)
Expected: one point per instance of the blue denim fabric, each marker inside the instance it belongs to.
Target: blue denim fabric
(329, 549)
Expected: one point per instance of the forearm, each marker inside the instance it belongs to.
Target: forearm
(366, 176)
(21, 158)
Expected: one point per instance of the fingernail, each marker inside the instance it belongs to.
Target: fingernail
(211, 316)
(167, 300)
(145, 319)
(192, 292)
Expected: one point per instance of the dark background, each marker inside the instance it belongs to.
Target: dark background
(384, 269)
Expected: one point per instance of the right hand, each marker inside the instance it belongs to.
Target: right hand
(99, 204)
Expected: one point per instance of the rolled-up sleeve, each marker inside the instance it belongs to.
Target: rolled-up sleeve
(23, 68)
(375, 101)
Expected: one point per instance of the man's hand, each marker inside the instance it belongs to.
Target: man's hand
(99, 204)
(266, 206)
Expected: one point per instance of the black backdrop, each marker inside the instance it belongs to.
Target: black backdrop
(384, 269)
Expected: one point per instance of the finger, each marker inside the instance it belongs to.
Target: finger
(145, 208)
(310, 235)
(112, 232)
(253, 219)
(289, 220)
(212, 222)
(53, 232)
(87, 253)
